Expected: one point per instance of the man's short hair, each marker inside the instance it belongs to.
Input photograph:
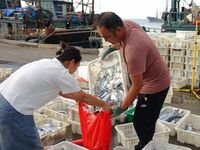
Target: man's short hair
(109, 20)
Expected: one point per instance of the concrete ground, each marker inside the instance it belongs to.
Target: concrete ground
(15, 56)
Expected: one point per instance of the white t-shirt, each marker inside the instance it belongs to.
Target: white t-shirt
(37, 83)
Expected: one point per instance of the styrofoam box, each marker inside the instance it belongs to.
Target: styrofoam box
(76, 127)
(177, 52)
(189, 137)
(172, 126)
(65, 145)
(152, 145)
(177, 72)
(60, 105)
(127, 136)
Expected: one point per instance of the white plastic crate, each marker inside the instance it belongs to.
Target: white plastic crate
(127, 136)
(196, 82)
(100, 69)
(173, 65)
(5, 73)
(190, 60)
(57, 108)
(189, 137)
(55, 136)
(65, 145)
(189, 67)
(76, 127)
(190, 53)
(165, 58)
(172, 126)
(74, 114)
(188, 74)
(178, 82)
(163, 50)
(177, 52)
(177, 72)
(177, 59)
(177, 44)
(189, 44)
(185, 34)
(120, 148)
(155, 145)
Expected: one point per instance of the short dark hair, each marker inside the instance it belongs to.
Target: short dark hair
(69, 53)
(109, 20)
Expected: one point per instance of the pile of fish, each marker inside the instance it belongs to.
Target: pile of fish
(65, 112)
(109, 85)
(189, 127)
(47, 128)
(173, 116)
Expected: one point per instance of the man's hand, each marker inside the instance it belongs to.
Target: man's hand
(117, 111)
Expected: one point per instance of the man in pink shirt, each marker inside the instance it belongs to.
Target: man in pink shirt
(147, 71)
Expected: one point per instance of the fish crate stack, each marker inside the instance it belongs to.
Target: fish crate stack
(51, 131)
(188, 131)
(177, 62)
(155, 145)
(108, 79)
(189, 60)
(127, 136)
(172, 116)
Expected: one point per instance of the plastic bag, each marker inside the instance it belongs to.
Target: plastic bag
(96, 128)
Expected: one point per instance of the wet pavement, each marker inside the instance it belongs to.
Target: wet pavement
(14, 57)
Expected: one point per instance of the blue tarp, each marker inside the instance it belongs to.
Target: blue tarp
(8, 12)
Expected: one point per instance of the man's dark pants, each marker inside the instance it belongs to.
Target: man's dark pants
(146, 114)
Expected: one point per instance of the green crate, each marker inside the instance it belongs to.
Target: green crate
(130, 114)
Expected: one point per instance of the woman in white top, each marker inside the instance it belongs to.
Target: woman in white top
(32, 86)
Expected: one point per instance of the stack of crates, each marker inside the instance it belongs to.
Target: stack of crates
(176, 63)
(189, 60)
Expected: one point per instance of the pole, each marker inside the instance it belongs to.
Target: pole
(195, 49)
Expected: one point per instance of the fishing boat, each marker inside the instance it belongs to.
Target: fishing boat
(49, 21)
(179, 17)
(154, 19)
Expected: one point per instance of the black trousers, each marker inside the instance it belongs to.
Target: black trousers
(146, 114)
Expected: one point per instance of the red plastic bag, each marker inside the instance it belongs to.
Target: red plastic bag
(96, 128)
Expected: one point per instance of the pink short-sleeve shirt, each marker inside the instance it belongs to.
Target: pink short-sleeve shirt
(142, 57)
